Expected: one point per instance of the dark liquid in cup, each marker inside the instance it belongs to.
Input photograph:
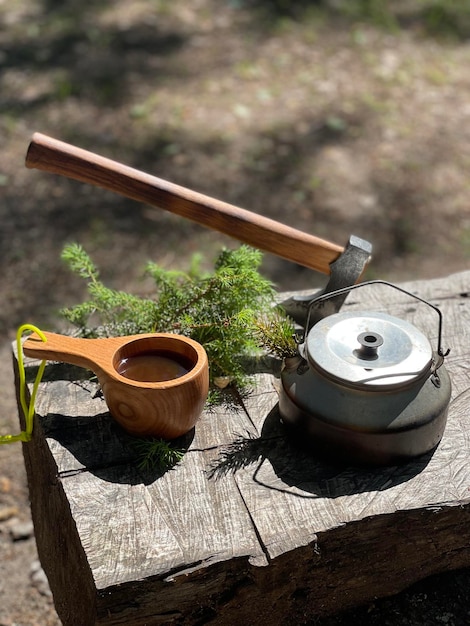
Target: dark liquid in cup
(154, 367)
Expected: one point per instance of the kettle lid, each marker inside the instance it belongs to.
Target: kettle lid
(368, 350)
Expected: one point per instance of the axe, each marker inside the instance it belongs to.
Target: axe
(345, 266)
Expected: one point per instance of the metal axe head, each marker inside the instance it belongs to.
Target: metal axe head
(345, 271)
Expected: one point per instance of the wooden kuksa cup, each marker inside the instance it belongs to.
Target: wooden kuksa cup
(167, 408)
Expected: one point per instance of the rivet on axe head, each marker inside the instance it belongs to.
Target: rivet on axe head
(346, 271)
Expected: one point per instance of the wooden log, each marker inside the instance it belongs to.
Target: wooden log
(247, 528)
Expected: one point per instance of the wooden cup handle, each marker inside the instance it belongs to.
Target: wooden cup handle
(51, 155)
(91, 354)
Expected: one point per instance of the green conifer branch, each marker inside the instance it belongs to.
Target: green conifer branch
(219, 310)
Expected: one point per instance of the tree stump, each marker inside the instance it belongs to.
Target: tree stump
(246, 528)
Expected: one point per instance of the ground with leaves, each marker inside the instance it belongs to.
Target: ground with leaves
(333, 117)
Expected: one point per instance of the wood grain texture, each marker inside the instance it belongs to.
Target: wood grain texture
(52, 155)
(248, 528)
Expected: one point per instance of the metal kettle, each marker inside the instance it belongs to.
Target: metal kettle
(366, 387)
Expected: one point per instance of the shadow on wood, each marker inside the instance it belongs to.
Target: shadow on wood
(303, 473)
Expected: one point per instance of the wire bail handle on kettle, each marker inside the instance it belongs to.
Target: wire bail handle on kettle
(321, 298)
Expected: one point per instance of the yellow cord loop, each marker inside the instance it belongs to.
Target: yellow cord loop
(28, 410)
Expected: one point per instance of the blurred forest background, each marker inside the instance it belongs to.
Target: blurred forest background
(337, 117)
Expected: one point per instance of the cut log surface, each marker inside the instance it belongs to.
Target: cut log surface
(246, 528)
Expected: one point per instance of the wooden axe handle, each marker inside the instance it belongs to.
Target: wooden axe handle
(51, 155)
